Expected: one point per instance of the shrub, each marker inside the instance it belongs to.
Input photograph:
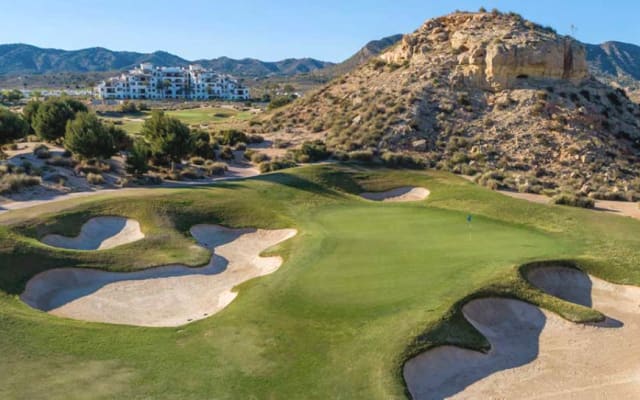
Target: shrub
(241, 146)
(128, 107)
(95, 179)
(231, 137)
(361, 156)
(573, 200)
(258, 158)
(137, 161)
(14, 182)
(196, 160)
(256, 139)
(61, 161)
(216, 168)
(226, 153)
(277, 164)
(280, 101)
(190, 173)
(41, 151)
(202, 146)
(281, 144)
(395, 160)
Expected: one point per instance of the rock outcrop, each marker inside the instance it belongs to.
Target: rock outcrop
(495, 58)
(483, 93)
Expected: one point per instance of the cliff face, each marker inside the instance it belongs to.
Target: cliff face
(482, 93)
(495, 58)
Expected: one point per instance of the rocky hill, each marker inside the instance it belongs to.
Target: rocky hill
(369, 50)
(23, 59)
(616, 63)
(483, 93)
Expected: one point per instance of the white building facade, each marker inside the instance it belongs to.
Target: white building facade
(148, 82)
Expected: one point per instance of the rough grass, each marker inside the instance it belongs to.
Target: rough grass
(364, 285)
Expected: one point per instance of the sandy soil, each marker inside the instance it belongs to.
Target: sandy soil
(99, 233)
(536, 354)
(401, 194)
(165, 296)
(626, 208)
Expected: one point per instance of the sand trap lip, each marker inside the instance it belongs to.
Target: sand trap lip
(164, 296)
(99, 233)
(401, 194)
(537, 354)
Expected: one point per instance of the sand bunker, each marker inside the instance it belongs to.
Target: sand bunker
(99, 233)
(165, 296)
(406, 193)
(536, 354)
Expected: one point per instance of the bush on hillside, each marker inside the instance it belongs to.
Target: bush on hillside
(95, 179)
(231, 137)
(365, 156)
(277, 164)
(400, 160)
(568, 199)
(14, 182)
(42, 152)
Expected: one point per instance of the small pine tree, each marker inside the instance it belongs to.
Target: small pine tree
(87, 137)
(137, 162)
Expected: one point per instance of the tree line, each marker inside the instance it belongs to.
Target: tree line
(164, 141)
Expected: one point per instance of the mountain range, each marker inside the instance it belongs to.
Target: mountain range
(24, 59)
(612, 62)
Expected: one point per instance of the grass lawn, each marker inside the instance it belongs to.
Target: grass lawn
(218, 117)
(209, 115)
(364, 285)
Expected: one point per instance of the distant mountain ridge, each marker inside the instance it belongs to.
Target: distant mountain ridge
(24, 59)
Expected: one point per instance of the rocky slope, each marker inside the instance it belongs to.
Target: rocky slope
(369, 50)
(484, 93)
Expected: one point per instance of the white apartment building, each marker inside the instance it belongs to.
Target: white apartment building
(159, 83)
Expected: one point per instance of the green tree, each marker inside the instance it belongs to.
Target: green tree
(50, 121)
(137, 162)
(12, 126)
(11, 96)
(168, 138)
(29, 112)
(87, 137)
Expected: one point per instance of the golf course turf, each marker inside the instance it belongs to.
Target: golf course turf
(364, 285)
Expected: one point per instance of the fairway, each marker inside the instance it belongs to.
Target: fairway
(215, 116)
(363, 287)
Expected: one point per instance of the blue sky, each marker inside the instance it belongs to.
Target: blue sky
(271, 30)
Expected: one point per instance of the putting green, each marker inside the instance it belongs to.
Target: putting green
(363, 285)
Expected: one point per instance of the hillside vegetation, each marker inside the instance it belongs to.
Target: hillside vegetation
(483, 93)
